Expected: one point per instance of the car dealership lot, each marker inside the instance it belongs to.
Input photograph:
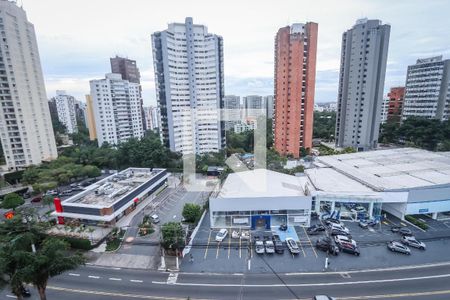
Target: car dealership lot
(239, 256)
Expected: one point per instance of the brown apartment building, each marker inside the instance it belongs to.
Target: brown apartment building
(396, 97)
(295, 78)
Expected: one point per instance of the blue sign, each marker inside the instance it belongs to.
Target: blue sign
(423, 210)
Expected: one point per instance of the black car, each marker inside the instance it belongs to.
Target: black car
(25, 292)
(335, 231)
(395, 228)
(405, 231)
(279, 247)
(316, 229)
(349, 248)
(332, 220)
(326, 245)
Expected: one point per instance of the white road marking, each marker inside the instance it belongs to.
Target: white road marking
(115, 279)
(136, 280)
(11, 296)
(74, 274)
(94, 277)
(172, 279)
(307, 284)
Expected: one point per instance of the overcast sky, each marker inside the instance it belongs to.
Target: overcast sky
(77, 37)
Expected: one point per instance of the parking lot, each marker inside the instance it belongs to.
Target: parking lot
(238, 256)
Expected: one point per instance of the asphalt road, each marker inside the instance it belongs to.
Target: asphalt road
(421, 282)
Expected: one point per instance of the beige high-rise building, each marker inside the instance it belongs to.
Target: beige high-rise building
(25, 125)
(90, 120)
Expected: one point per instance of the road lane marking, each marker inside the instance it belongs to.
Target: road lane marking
(301, 247)
(218, 247)
(307, 284)
(312, 247)
(74, 274)
(123, 295)
(172, 279)
(94, 277)
(136, 280)
(11, 296)
(115, 279)
(399, 295)
(207, 245)
(240, 246)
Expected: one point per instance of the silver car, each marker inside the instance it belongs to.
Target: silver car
(259, 247)
(270, 248)
(398, 247)
(412, 242)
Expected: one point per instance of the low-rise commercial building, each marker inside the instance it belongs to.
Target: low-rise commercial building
(261, 199)
(403, 181)
(106, 201)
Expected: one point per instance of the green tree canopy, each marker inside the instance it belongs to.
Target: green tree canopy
(172, 235)
(192, 212)
(12, 201)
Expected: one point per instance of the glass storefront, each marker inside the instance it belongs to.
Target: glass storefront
(243, 219)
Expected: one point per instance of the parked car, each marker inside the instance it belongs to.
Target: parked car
(155, 219)
(245, 235)
(326, 244)
(363, 224)
(398, 247)
(292, 245)
(338, 227)
(67, 193)
(315, 229)
(221, 235)
(270, 248)
(413, 242)
(259, 247)
(235, 234)
(342, 239)
(334, 221)
(405, 231)
(349, 248)
(36, 199)
(52, 192)
(279, 247)
(335, 232)
(283, 227)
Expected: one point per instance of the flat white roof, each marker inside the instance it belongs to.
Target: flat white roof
(384, 170)
(262, 183)
(330, 180)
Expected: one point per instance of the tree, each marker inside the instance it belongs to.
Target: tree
(12, 201)
(48, 200)
(172, 235)
(191, 212)
(51, 259)
(324, 125)
(28, 255)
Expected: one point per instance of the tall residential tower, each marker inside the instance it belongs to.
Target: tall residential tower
(117, 109)
(65, 107)
(25, 124)
(188, 64)
(295, 78)
(428, 89)
(361, 83)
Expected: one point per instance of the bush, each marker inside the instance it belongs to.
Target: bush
(12, 200)
(172, 235)
(76, 243)
(416, 222)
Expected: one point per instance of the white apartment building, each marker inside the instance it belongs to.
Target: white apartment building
(25, 124)
(254, 106)
(384, 110)
(240, 127)
(188, 64)
(117, 109)
(427, 91)
(151, 115)
(232, 111)
(65, 107)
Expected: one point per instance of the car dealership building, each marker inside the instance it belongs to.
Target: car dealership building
(401, 181)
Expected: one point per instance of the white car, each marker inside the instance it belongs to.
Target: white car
(270, 248)
(339, 227)
(412, 242)
(221, 235)
(292, 245)
(340, 239)
(259, 247)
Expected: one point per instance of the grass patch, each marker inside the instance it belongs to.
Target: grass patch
(417, 222)
(114, 239)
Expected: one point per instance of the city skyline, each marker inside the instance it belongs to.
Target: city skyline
(248, 55)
